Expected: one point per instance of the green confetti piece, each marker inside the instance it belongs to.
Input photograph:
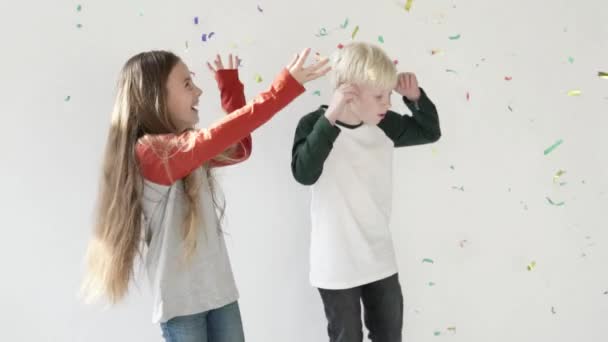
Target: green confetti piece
(431, 284)
(427, 260)
(456, 37)
(458, 188)
(510, 108)
(322, 32)
(67, 98)
(355, 31)
(452, 167)
(531, 266)
(557, 204)
(79, 8)
(571, 60)
(381, 39)
(574, 92)
(79, 26)
(345, 24)
(602, 74)
(258, 78)
(437, 333)
(317, 92)
(554, 146)
(451, 70)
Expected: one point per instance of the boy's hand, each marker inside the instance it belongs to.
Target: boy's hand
(219, 65)
(343, 95)
(304, 74)
(407, 85)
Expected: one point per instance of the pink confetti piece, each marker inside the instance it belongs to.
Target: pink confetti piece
(508, 78)
(468, 96)
(340, 46)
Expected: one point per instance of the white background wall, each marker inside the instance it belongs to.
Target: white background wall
(52, 151)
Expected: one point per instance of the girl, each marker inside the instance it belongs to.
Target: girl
(156, 188)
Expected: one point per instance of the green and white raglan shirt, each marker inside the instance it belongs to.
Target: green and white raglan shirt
(349, 169)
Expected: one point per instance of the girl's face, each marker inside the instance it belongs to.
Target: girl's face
(182, 97)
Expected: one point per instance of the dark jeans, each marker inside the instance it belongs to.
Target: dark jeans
(383, 311)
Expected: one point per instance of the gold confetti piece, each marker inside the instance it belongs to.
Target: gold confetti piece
(531, 265)
(557, 175)
(355, 32)
(408, 5)
(452, 329)
(258, 78)
(575, 92)
(436, 52)
(602, 74)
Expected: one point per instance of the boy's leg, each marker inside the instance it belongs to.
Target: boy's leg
(224, 324)
(190, 328)
(383, 309)
(343, 312)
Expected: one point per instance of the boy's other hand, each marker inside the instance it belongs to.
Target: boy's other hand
(407, 85)
(343, 95)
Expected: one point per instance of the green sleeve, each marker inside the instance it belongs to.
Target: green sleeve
(313, 141)
(420, 128)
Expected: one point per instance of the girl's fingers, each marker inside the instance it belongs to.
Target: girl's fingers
(293, 61)
(210, 67)
(230, 62)
(302, 58)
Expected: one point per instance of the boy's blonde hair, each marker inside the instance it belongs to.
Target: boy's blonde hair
(363, 63)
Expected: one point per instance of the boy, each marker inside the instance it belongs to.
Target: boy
(345, 151)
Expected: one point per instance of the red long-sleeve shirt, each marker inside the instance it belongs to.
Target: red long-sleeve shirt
(234, 128)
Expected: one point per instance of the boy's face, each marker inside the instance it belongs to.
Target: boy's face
(372, 104)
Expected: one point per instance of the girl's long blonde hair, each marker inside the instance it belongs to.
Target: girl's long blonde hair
(140, 109)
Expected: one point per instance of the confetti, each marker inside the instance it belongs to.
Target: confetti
(340, 46)
(456, 37)
(317, 92)
(510, 109)
(67, 98)
(79, 8)
(355, 32)
(344, 24)
(322, 32)
(260, 9)
(408, 5)
(602, 74)
(468, 96)
(79, 26)
(195, 20)
(452, 167)
(395, 62)
(553, 310)
(258, 78)
(437, 333)
(508, 78)
(381, 39)
(571, 60)
(531, 266)
(206, 36)
(575, 92)
(606, 292)
(452, 329)
(458, 188)
(452, 71)
(462, 243)
(557, 204)
(186, 45)
(557, 175)
(436, 52)
(554, 146)
(427, 260)
(431, 284)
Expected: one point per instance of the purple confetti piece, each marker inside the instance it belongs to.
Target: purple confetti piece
(195, 20)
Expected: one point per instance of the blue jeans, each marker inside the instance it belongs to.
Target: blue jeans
(218, 325)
